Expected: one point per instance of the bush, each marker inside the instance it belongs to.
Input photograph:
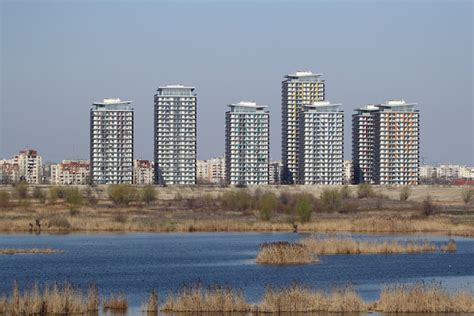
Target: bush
(148, 194)
(22, 190)
(346, 192)
(4, 199)
(237, 200)
(427, 206)
(54, 193)
(331, 200)
(267, 204)
(467, 195)
(59, 221)
(73, 196)
(122, 194)
(304, 207)
(405, 193)
(91, 198)
(364, 190)
(120, 217)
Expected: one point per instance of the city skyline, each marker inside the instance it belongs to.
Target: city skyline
(49, 89)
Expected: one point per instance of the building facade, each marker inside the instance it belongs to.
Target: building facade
(321, 144)
(211, 170)
(111, 142)
(247, 144)
(363, 137)
(298, 89)
(143, 172)
(397, 144)
(274, 172)
(70, 172)
(175, 135)
(348, 172)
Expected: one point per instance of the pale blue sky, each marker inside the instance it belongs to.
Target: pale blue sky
(60, 56)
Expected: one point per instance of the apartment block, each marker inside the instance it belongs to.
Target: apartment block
(143, 172)
(175, 135)
(298, 89)
(348, 172)
(321, 144)
(211, 170)
(9, 171)
(274, 172)
(247, 144)
(111, 142)
(397, 144)
(70, 172)
(363, 138)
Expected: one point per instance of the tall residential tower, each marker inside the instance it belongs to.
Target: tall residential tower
(111, 142)
(175, 135)
(247, 144)
(321, 144)
(298, 89)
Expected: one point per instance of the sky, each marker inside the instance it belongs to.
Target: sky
(57, 57)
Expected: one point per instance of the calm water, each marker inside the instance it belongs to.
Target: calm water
(135, 263)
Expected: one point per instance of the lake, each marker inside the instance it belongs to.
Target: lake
(136, 263)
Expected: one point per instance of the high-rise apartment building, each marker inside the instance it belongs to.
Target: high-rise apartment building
(363, 138)
(26, 166)
(386, 148)
(111, 142)
(247, 144)
(298, 89)
(321, 144)
(175, 135)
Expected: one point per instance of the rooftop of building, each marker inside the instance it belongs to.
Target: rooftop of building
(323, 106)
(304, 74)
(175, 90)
(112, 104)
(246, 106)
(398, 106)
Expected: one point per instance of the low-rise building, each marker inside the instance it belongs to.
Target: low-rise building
(143, 172)
(211, 170)
(26, 166)
(70, 172)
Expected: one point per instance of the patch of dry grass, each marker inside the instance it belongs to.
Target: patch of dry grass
(450, 246)
(116, 302)
(423, 298)
(283, 252)
(12, 251)
(195, 298)
(151, 304)
(298, 298)
(348, 245)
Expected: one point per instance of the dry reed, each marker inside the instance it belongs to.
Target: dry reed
(12, 251)
(194, 298)
(284, 252)
(298, 298)
(347, 245)
(151, 304)
(421, 298)
(116, 302)
(450, 246)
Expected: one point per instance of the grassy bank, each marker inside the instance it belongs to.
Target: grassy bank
(13, 251)
(67, 300)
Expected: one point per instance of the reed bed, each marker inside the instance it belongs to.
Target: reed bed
(58, 299)
(298, 298)
(116, 302)
(195, 298)
(348, 245)
(283, 252)
(450, 246)
(13, 251)
(151, 304)
(423, 298)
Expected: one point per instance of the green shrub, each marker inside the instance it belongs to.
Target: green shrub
(467, 195)
(148, 194)
(365, 190)
(331, 199)
(346, 192)
(21, 189)
(267, 204)
(405, 193)
(4, 199)
(122, 194)
(304, 206)
(239, 200)
(73, 196)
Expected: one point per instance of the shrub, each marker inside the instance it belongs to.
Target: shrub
(346, 192)
(427, 206)
(39, 194)
(73, 196)
(122, 194)
(304, 206)
(467, 195)
(59, 221)
(22, 190)
(120, 217)
(148, 194)
(54, 193)
(286, 203)
(4, 199)
(364, 190)
(405, 193)
(91, 198)
(331, 199)
(267, 204)
(237, 200)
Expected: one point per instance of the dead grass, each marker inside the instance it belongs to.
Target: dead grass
(284, 252)
(151, 304)
(348, 245)
(12, 251)
(450, 246)
(423, 298)
(298, 298)
(195, 298)
(116, 302)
